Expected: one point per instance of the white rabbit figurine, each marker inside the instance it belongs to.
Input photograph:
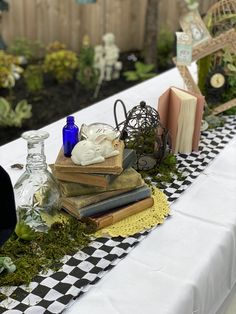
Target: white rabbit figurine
(95, 148)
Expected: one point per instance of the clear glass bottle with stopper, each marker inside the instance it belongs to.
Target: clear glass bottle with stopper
(36, 191)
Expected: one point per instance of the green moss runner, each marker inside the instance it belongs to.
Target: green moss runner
(44, 252)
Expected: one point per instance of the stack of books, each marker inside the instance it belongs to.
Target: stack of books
(103, 193)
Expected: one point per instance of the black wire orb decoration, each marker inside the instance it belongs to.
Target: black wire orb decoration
(142, 131)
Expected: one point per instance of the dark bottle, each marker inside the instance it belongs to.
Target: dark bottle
(70, 133)
(8, 209)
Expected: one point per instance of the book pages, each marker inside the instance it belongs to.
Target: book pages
(171, 114)
(186, 122)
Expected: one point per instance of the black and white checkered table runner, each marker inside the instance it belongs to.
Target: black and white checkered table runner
(212, 142)
(51, 293)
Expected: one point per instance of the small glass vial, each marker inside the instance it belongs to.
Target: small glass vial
(70, 134)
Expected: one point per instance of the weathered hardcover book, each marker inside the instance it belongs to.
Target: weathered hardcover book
(129, 158)
(181, 113)
(101, 221)
(72, 204)
(111, 165)
(85, 200)
(129, 178)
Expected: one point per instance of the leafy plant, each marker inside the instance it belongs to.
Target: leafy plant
(24, 232)
(30, 50)
(142, 72)
(29, 222)
(204, 66)
(87, 74)
(33, 76)
(62, 64)
(55, 46)
(229, 63)
(165, 49)
(10, 117)
(9, 70)
(225, 60)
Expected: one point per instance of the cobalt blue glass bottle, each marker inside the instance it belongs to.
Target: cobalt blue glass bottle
(70, 134)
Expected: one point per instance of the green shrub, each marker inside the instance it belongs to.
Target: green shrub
(229, 63)
(224, 60)
(87, 74)
(142, 72)
(55, 46)
(204, 66)
(165, 49)
(9, 70)
(61, 64)
(31, 50)
(10, 117)
(33, 76)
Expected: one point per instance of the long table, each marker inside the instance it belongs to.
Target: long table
(187, 265)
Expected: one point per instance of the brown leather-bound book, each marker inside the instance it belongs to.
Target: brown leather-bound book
(181, 113)
(98, 222)
(111, 165)
(84, 178)
(129, 178)
(101, 180)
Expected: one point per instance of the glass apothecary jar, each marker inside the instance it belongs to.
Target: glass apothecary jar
(36, 190)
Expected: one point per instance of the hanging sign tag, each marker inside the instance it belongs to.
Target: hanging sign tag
(184, 48)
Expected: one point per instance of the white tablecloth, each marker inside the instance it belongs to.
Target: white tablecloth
(187, 265)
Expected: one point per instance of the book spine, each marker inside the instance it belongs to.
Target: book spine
(128, 179)
(114, 202)
(101, 181)
(129, 160)
(107, 220)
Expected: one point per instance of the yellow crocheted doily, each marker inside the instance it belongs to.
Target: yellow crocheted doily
(146, 219)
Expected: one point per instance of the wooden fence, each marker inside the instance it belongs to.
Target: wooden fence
(68, 22)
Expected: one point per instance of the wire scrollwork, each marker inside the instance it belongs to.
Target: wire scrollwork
(142, 131)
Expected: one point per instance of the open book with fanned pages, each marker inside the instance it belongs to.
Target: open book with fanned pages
(181, 113)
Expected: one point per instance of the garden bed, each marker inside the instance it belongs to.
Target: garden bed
(57, 101)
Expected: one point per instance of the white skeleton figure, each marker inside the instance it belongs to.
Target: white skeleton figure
(106, 59)
(113, 66)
